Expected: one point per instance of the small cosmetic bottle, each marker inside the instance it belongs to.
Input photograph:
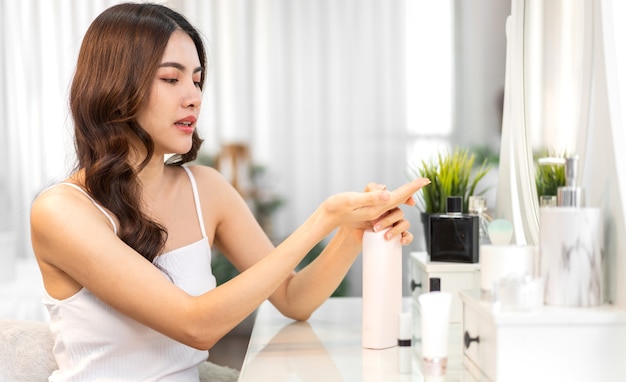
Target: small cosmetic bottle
(454, 236)
(405, 336)
(478, 206)
(434, 284)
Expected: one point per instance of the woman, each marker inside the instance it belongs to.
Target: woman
(123, 244)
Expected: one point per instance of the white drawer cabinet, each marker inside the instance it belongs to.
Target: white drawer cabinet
(453, 277)
(546, 344)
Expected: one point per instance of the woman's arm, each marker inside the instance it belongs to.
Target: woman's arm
(298, 295)
(265, 278)
(312, 285)
(76, 247)
(72, 240)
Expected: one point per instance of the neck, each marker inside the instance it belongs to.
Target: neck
(152, 179)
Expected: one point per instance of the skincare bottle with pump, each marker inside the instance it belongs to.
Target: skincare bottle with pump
(570, 195)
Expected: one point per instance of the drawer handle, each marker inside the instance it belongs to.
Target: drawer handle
(414, 285)
(468, 340)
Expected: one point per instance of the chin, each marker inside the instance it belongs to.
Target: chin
(181, 149)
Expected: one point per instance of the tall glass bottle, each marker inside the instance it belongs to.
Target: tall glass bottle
(478, 206)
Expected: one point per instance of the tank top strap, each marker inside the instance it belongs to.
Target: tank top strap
(196, 199)
(94, 202)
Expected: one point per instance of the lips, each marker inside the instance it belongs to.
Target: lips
(186, 124)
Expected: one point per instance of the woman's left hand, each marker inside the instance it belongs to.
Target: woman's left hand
(392, 219)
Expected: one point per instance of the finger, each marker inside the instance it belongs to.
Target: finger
(375, 186)
(407, 238)
(388, 219)
(397, 229)
(410, 201)
(405, 192)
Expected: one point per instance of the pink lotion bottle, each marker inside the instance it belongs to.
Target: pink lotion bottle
(382, 289)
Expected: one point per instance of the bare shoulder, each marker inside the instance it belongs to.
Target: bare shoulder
(205, 171)
(218, 197)
(59, 208)
(59, 199)
(211, 181)
(52, 202)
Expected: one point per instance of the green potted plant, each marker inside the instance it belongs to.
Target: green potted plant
(450, 174)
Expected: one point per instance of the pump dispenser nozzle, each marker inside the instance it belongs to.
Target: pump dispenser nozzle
(570, 195)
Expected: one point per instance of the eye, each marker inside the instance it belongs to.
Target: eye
(170, 80)
(197, 80)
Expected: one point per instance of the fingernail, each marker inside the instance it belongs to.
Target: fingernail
(377, 227)
(388, 235)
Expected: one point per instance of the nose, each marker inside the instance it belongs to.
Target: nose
(192, 96)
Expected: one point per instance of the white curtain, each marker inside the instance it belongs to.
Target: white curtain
(314, 87)
(602, 142)
(39, 42)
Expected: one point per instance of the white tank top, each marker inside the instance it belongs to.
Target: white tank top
(94, 342)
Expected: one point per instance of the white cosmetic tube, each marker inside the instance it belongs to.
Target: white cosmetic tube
(435, 316)
(382, 289)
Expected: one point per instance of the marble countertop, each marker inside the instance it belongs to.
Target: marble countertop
(327, 347)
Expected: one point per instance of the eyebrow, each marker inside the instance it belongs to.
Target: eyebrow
(178, 66)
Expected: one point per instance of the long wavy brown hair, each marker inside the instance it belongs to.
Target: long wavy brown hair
(116, 67)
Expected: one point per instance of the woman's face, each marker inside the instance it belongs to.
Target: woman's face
(175, 97)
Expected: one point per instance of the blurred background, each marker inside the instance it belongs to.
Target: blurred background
(305, 98)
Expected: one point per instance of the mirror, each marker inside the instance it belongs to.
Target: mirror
(516, 198)
(558, 55)
(562, 94)
(546, 99)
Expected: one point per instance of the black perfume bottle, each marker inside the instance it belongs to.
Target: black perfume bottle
(454, 236)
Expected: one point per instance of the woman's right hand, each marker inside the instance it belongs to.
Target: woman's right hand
(353, 207)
